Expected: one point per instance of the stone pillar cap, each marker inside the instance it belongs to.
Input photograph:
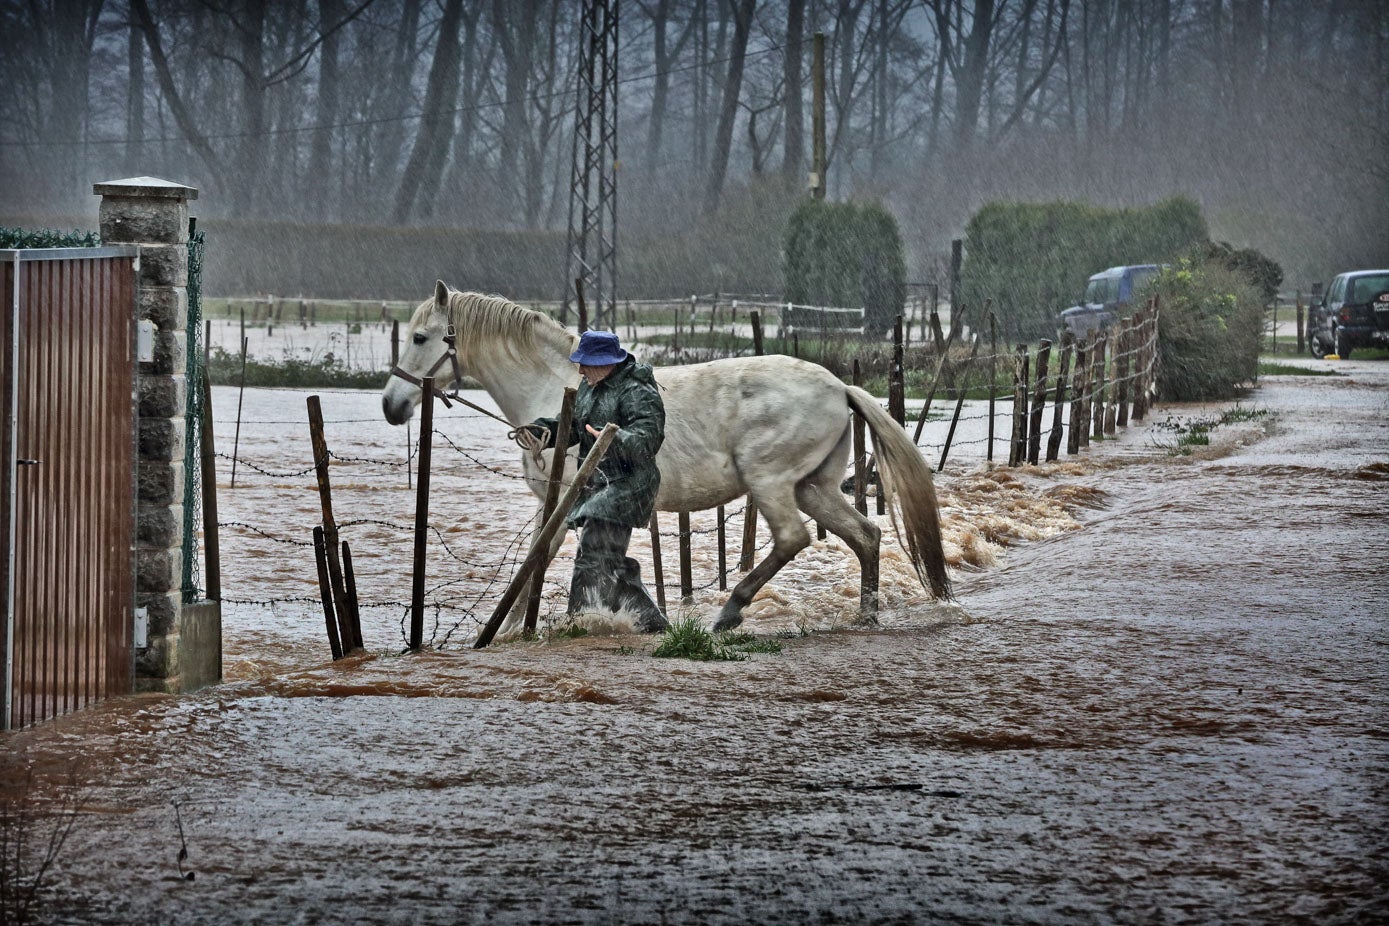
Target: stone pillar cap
(151, 187)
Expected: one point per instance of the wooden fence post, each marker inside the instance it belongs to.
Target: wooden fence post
(349, 578)
(860, 450)
(686, 572)
(993, 383)
(1058, 402)
(1077, 398)
(1039, 400)
(1017, 447)
(722, 533)
(750, 510)
(563, 425)
(1121, 372)
(657, 568)
(1097, 388)
(325, 592)
(330, 527)
(1111, 391)
(421, 513)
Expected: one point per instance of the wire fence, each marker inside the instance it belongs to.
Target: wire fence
(983, 402)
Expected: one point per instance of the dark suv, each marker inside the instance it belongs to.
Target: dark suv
(1353, 313)
(1107, 296)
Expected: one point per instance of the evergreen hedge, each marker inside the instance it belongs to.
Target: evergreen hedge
(842, 254)
(1032, 259)
(1210, 326)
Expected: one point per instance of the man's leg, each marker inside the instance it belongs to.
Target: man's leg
(604, 576)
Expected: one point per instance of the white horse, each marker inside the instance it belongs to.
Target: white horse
(773, 428)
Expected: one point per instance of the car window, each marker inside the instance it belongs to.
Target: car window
(1363, 289)
(1142, 278)
(1102, 290)
(1337, 292)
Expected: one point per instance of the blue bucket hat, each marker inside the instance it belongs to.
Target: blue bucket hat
(598, 349)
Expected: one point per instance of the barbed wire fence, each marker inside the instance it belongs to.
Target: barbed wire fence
(993, 398)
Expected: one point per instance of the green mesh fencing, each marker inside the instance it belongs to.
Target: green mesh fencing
(194, 416)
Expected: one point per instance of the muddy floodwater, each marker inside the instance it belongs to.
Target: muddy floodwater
(1160, 697)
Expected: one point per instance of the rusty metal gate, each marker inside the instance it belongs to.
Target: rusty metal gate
(67, 488)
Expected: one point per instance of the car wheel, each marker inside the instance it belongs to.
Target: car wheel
(1318, 346)
(1342, 345)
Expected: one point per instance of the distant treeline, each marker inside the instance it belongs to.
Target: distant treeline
(738, 249)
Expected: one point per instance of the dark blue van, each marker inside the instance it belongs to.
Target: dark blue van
(1107, 297)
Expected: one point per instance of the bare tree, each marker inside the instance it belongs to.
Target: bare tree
(728, 112)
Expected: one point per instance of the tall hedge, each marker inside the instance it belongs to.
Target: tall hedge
(1210, 326)
(1032, 259)
(843, 254)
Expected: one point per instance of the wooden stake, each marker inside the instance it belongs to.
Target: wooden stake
(564, 425)
(350, 581)
(860, 453)
(1058, 402)
(1039, 399)
(325, 592)
(656, 567)
(686, 574)
(421, 514)
(330, 526)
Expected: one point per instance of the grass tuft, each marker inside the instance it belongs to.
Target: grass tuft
(687, 639)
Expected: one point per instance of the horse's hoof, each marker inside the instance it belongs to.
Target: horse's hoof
(728, 621)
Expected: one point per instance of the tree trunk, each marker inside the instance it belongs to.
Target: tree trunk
(437, 122)
(320, 168)
(793, 153)
(723, 137)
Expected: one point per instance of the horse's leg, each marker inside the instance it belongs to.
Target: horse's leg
(789, 537)
(823, 501)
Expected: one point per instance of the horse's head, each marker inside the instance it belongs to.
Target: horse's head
(426, 353)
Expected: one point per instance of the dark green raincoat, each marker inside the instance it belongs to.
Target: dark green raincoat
(623, 489)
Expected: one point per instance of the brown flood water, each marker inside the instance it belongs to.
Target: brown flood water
(1167, 706)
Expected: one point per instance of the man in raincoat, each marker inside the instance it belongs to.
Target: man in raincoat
(622, 492)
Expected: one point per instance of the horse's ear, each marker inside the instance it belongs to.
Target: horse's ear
(441, 293)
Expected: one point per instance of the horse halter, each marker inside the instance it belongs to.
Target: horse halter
(450, 354)
(532, 444)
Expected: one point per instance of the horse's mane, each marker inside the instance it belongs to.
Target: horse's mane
(484, 323)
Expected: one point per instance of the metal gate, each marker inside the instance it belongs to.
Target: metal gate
(67, 488)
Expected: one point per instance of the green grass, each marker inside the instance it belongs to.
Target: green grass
(687, 639)
(1196, 432)
(1272, 368)
(224, 369)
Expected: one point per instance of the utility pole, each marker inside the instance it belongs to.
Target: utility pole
(592, 243)
(817, 169)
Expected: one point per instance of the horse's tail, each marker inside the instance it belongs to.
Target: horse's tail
(904, 473)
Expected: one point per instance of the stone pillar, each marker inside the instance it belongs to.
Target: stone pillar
(153, 214)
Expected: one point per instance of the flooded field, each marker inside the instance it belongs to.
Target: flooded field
(1159, 698)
